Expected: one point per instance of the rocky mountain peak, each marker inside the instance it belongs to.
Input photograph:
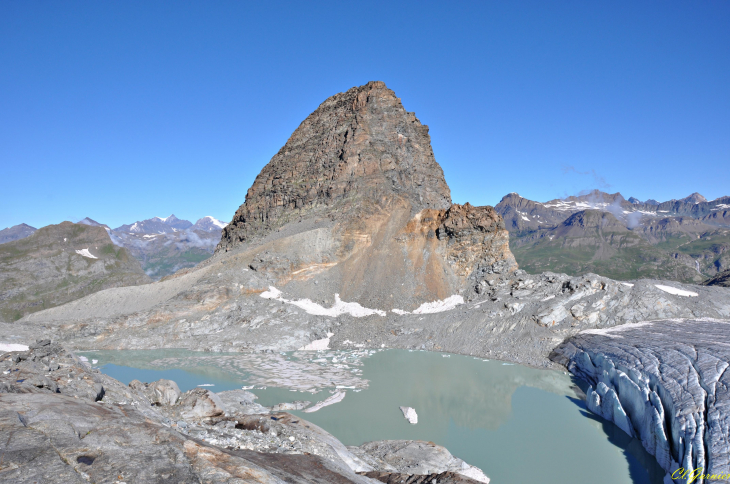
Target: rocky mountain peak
(357, 151)
(694, 198)
(594, 218)
(16, 232)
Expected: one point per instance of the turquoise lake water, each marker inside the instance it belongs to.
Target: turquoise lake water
(518, 424)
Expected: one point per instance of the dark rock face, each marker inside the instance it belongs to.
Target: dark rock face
(721, 279)
(16, 232)
(60, 263)
(358, 148)
(664, 382)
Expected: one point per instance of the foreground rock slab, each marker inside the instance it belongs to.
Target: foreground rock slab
(63, 422)
(664, 382)
(55, 438)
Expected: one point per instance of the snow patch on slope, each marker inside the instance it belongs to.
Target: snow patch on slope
(5, 347)
(436, 306)
(340, 307)
(675, 291)
(86, 253)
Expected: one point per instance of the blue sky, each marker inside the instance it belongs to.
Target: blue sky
(121, 111)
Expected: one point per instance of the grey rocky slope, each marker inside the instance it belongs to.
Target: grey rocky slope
(664, 382)
(58, 264)
(16, 232)
(684, 240)
(165, 245)
(63, 422)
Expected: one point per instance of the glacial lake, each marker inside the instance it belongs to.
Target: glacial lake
(518, 424)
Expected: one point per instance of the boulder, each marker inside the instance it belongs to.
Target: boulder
(200, 403)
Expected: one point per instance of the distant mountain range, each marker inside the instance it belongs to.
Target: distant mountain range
(16, 232)
(162, 245)
(685, 240)
(59, 263)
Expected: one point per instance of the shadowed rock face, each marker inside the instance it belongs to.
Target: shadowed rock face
(360, 147)
(721, 279)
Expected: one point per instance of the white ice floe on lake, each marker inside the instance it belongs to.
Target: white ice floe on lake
(207, 385)
(5, 347)
(675, 291)
(337, 397)
(410, 414)
(318, 344)
(340, 307)
(86, 253)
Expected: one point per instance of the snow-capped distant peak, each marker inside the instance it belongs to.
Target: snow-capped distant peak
(167, 219)
(216, 222)
(209, 224)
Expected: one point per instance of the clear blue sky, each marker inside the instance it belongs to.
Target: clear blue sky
(123, 110)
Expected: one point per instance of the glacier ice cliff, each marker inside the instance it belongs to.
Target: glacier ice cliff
(663, 382)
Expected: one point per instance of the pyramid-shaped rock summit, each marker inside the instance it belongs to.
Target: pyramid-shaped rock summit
(356, 192)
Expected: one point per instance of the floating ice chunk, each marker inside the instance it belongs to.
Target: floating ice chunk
(5, 347)
(337, 397)
(675, 291)
(340, 307)
(318, 344)
(207, 385)
(86, 253)
(410, 414)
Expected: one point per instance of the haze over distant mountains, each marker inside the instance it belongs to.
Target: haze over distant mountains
(685, 240)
